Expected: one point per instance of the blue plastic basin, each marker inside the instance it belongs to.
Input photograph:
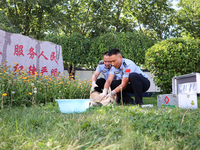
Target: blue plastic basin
(73, 105)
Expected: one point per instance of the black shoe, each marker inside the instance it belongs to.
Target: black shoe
(140, 104)
(131, 102)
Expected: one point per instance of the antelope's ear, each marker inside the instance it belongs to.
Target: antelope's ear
(115, 96)
(109, 90)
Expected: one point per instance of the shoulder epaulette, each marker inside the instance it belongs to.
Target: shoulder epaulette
(124, 64)
(101, 62)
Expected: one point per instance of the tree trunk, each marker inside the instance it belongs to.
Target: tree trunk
(70, 70)
(118, 15)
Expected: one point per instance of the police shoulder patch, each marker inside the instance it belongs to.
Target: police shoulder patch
(101, 62)
(124, 64)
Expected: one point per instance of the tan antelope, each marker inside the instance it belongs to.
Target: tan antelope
(106, 101)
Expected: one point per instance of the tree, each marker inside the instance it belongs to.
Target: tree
(6, 25)
(92, 18)
(188, 17)
(32, 18)
(75, 49)
(155, 15)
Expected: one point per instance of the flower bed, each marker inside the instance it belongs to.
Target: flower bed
(20, 88)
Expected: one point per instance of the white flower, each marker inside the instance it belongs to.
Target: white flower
(32, 84)
(13, 92)
(117, 121)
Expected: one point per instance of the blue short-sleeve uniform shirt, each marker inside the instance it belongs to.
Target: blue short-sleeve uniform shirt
(102, 68)
(127, 67)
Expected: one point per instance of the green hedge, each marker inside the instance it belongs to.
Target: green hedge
(75, 49)
(171, 58)
(132, 45)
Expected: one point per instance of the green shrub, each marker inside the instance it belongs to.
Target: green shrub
(171, 58)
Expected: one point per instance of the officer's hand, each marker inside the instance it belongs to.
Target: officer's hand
(111, 94)
(102, 95)
(93, 86)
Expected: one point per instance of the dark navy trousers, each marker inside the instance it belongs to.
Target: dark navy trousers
(100, 82)
(138, 84)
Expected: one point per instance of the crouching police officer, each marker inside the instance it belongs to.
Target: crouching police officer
(133, 80)
(104, 67)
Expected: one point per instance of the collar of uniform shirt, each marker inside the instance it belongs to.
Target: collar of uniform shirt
(121, 67)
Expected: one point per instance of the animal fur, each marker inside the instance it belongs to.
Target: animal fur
(105, 101)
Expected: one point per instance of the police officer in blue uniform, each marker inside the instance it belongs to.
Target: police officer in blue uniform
(132, 79)
(104, 68)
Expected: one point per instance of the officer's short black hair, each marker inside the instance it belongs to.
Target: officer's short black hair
(114, 51)
(106, 53)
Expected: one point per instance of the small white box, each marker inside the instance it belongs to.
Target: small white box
(187, 100)
(181, 100)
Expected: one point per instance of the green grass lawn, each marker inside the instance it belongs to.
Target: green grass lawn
(44, 127)
(150, 100)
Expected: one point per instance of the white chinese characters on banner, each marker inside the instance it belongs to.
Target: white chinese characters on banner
(187, 88)
(22, 52)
